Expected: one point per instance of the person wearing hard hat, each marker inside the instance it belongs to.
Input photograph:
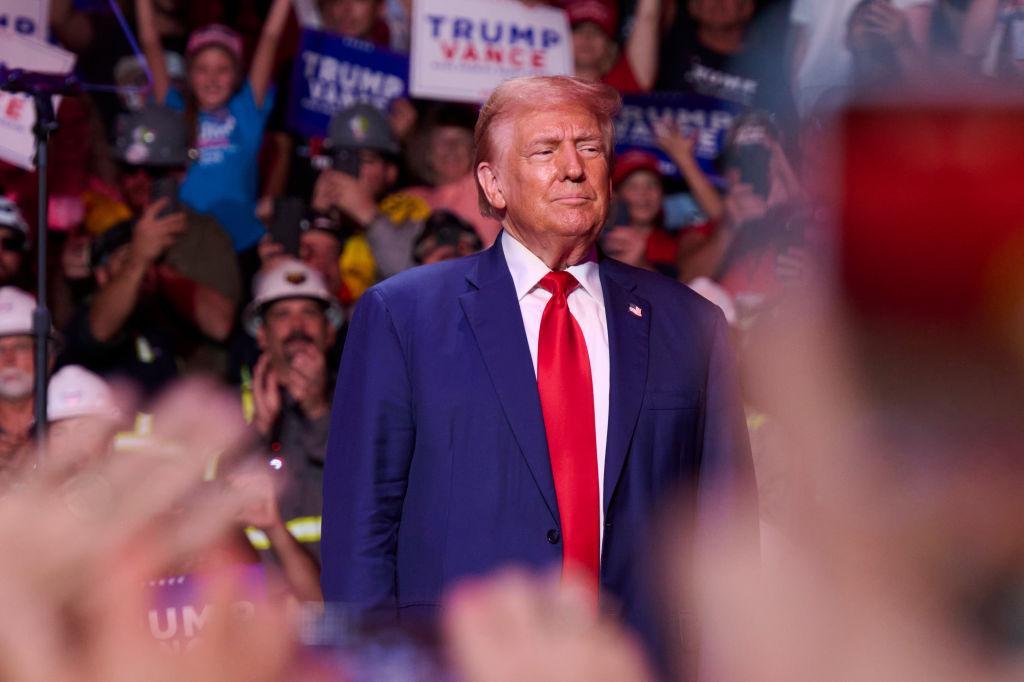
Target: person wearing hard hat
(168, 284)
(294, 319)
(151, 148)
(359, 165)
(82, 419)
(13, 245)
(17, 377)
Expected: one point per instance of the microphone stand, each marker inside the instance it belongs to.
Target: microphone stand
(42, 88)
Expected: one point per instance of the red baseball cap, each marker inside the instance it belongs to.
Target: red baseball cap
(634, 160)
(605, 15)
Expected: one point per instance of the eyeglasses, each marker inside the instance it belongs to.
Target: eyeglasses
(12, 243)
(154, 172)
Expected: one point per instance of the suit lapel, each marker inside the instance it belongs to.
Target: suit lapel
(629, 324)
(492, 310)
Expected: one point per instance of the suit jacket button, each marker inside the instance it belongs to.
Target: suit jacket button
(554, 536)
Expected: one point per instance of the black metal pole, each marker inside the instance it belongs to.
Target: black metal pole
(45, 123)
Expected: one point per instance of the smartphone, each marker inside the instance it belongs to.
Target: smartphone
(284, 224)
(753, 164)
(166, 188)
(346, 160)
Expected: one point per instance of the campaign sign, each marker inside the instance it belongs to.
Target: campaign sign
(463, 49)
(333, 72)
(182, 606)
(18, 112)
(709, 116)
(28, 18)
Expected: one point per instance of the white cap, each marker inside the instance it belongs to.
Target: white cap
(290, 279)
(717, 295)
(16, 310)
(10, 216)
(76, 392)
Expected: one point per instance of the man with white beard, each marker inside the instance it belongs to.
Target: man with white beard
(17, 381)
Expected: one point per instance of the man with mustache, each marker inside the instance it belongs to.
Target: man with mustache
(294, 319)
(17, 378)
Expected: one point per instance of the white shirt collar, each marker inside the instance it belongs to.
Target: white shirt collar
(527, 269)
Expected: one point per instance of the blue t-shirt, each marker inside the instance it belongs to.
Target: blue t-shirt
(223, 181)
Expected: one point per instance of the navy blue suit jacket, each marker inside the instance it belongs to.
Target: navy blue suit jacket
(437, 463)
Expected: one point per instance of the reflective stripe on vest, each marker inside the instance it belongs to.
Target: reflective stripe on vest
(257, 538)
(248, 406)
(303, 529)
(138, 437)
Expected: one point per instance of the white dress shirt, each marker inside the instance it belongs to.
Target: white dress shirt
(586, 303)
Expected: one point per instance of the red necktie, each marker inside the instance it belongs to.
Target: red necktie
(567, 401)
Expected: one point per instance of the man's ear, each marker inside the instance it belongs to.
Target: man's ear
(391, 174)
(101, 274)
(261, 338)
(487, 175)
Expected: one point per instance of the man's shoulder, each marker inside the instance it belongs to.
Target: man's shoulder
(427, 282)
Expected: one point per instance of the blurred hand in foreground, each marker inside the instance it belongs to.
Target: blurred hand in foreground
(515, 627)
(81, 551)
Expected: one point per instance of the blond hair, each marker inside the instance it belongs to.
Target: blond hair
(533, 92)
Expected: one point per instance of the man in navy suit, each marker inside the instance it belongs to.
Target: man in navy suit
(530, 404)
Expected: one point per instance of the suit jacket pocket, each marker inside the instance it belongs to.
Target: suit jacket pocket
(673, 399)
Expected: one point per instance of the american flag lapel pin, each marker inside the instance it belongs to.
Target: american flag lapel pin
(636, 310)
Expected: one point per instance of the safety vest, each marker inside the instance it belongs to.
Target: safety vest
(302, 528)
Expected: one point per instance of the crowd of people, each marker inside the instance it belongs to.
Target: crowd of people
(194, 234)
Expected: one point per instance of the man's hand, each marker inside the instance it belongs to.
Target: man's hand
(271, 253)
(628, 244)
(307, 381)
(331, 189)
(516, 627)
(153, 235)
(257, 498)
(888, 22)
(679, 145)
(266, 398)
(742, 204)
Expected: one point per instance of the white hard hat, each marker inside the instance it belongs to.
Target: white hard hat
(717, 295)
(16, 310)
(290, 279)
(76, 392)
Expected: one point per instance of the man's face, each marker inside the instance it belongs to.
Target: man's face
(11, 254)
(376, 173)
(551, 178)
(642, 193)
(589, 45)
(136, 187)
(451, 153)
(17, 364)
(293, 325)
(321, 251)
(350, 17)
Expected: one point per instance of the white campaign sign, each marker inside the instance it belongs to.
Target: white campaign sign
(463, 49)
(28, 18)
(17, 112)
